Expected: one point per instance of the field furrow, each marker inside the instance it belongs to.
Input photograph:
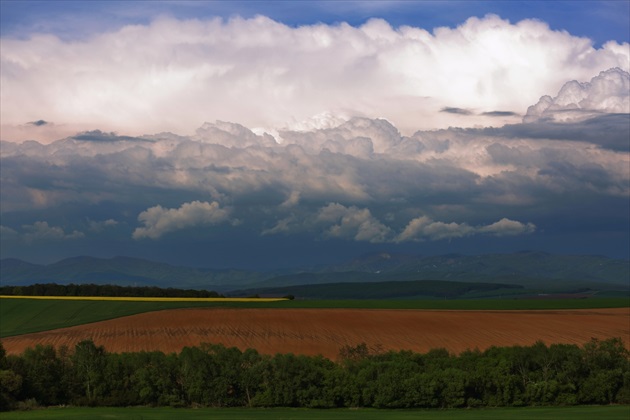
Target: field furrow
(325, 331)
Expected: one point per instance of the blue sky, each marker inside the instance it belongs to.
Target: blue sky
(275, 134)
(600, 21)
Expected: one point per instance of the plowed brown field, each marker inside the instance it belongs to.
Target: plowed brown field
(325, 331)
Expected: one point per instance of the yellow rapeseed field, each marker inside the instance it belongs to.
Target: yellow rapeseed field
(146, 299)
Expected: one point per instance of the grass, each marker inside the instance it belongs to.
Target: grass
(24, 316)
(538, 413)
(145, 299)
(28, 315)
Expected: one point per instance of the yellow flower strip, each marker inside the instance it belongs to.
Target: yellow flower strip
(146, 299)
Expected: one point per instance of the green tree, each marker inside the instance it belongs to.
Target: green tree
(10, 383)
(89, 362)
(155, 378)
(606, 362)
(42, 375)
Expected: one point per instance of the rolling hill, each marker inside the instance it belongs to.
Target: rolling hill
(389, 290)
(532, 270)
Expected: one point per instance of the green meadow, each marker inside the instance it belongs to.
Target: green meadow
(23, 316)
(538, 413)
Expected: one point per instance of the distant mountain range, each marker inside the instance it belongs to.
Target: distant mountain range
(123, 271)
(530, 264)
(531, 270)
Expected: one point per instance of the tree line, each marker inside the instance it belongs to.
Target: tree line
(216, 376)
(54, 289)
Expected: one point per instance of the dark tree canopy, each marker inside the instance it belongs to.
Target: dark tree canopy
(215, 376)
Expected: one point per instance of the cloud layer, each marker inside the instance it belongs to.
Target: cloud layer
(215, 138)
(171, 75)
(359, 182)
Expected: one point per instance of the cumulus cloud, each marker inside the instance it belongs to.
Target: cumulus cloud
(609, 92)
(158, 220)
(42, 231)
(424, 228)
(98, 226)
(360, 180)
(352, 222)
(507, 227)
(358, 224)
(171, 75)
(6, 231)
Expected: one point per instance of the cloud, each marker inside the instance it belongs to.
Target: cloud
(609, 92)
(352, 222)
(172, 75)
(6, 231)
(610, 131)
(424, 228)
(38, 123)
(158, 220)
(41, 231)
(357, 180)
(500, 114)
(99, 226)
(458, 111)
(507, 227)
(98, 135)
(358, 224)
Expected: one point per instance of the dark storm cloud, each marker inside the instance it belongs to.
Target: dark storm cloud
(463, 111)
(359, 182)
(610, 131)
(500, 114)
(458, 111)
(38, 123)
(100, 136)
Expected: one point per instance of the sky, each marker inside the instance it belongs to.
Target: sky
(268, 135)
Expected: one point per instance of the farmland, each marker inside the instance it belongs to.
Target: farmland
(22, 316)
(200, 354)
(28, 315)
(325, 331)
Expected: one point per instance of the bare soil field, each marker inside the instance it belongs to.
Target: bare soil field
(325, 331)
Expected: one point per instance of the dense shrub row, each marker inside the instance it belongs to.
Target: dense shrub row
(213, 375)
(53, 289)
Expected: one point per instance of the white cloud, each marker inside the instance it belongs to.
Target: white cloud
(172, 75)
(292, 200)
(158, 220)
(41, 231)
(424, 228)
(507, 227)
(98, 226)
(6, 232)
(352, 222)
(608, 92)
(362, 180)
(358, 224)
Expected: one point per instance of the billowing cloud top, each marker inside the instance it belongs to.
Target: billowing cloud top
(323, 134)
(359, 181)
(171, 75)
(609, 92)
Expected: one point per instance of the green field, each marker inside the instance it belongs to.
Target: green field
(538, 413)
(23, 316)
